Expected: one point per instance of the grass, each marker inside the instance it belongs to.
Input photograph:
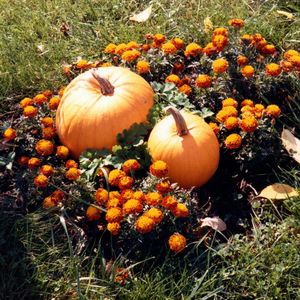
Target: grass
(38, 260)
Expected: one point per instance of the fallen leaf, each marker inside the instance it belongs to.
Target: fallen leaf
(215, 223)
(278, 191)
(289, 16)
(208, 25)
(142, 16)
(291, 144)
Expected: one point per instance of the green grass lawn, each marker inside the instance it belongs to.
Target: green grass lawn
(37, 257)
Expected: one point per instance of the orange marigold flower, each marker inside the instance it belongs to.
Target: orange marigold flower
(203, 81)
(142, 67)
(145, 47)
(286, 66)
(70, 163)
(178, 67)
(220, 65)
(177, 242)
(101, 196)
(126, 194)
(53, 103)
(258, 110)
(110, 48)
(180, 211)
(219, 42)
(44, 147)
(120, 49)
(247, 71)
(121, 276)
(209, 49)
(226, 112)
(82, 64)
(113, 202)
(144, 224)
(242, 60)
(9, 134)
(25, 102)
(62, 152)
(249, 124)
(47, 170)
(192, 49)
(47, 93)
(273, 69)
(269, 49)
(73, 174)
(155, 214)
(115, 176)
(229, 102)
(130, 165)
(139, 195)
(159, 168)
(114, 228)
(214, 127)
(233, 141)
(41, 180)
(132, 206)
(246, 38)
(247, 102)
(173, 79)
(114, 194)
(231, 123)
(61, 91)
(248, 108)
(153, 198)
(257, 37)
(58, 195)
(33, 162)
(273, 110)
(30, 111)
(23, 160)
(221, 31)
(131, 55)
(169, 202)
(185, 80)
(237, 23)
(289, 53)
(185, 89)
(106, 64)
(163, 187)
(114, 214)
(40, 99)
(132, 45)
(295, 60)
(178, 43)
(47, 121)
(49, 202)
(93, 213)
(48, 133)
(159, 38)
(168, 48)
(125, 182)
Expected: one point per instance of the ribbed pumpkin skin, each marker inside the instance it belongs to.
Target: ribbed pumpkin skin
(192, 159)
(86, 118)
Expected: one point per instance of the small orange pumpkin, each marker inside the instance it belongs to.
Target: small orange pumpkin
(188, 145)
(98, 105)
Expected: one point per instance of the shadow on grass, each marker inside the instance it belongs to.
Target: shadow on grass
(16, 267)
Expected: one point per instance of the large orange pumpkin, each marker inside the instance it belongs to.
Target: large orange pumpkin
(99, 104)
(188, 145)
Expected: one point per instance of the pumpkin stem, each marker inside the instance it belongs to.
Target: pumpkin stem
(179, 120)
(105, 86)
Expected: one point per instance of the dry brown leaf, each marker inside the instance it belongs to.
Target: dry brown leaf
(142, 16)
(278, 191)
(289, 16)
(215, 223)
(291, 144)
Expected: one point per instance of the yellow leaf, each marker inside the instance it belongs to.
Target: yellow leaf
(291, 144)
(289, 16)
(142, 16)
(278, 191)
